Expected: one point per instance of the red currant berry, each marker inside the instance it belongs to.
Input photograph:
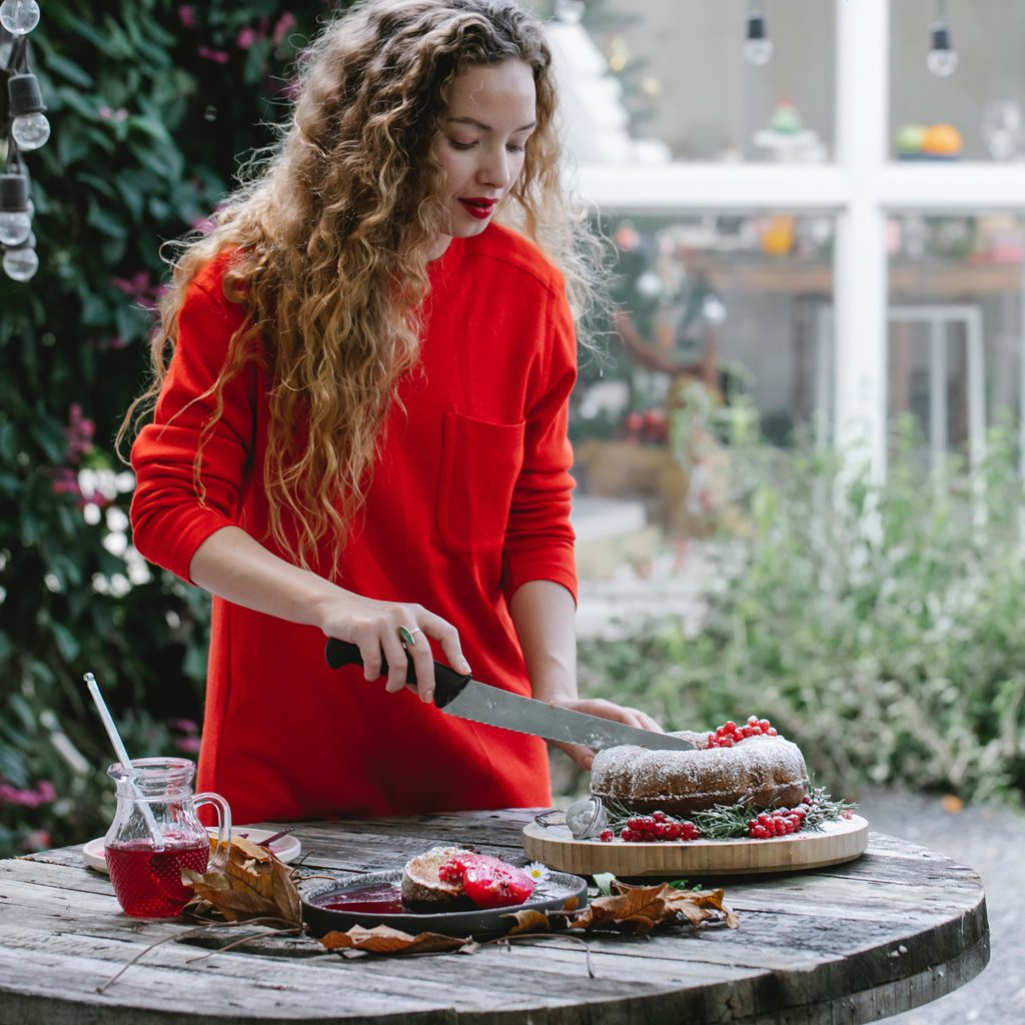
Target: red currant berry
(658, 816)
(606, 836)
(628, 835)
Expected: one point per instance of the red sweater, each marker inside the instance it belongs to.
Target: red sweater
(470, 499)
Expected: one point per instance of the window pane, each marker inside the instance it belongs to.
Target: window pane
(983, 100)
(668, 80)
(720, 330)
(955, 327)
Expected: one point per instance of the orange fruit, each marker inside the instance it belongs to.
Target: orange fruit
(942, 139)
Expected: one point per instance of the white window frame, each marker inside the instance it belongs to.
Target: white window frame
(860, 189)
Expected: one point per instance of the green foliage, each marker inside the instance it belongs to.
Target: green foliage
(879, 627)
(152, 105)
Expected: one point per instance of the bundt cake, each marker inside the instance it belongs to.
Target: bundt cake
(766, 770)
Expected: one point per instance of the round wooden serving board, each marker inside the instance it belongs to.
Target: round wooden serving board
(842, 840)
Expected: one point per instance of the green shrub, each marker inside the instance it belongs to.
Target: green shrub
(152, 105)
(879, 627)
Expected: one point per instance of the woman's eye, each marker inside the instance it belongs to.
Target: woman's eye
(461, 145)
(513, 148)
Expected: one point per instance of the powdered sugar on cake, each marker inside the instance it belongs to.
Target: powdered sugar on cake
(764, 769)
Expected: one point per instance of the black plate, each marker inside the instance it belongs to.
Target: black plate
(554, 892)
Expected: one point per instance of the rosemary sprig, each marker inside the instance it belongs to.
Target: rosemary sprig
(730, 821)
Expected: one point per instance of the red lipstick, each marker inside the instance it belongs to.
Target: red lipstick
(479, 206)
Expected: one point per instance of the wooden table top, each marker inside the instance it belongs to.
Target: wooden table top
(852, 943)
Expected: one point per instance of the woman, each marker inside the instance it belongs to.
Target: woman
(362, 430)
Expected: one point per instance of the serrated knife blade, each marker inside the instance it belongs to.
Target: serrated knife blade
(467, 698)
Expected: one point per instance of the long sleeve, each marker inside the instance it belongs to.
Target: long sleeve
(170, 517)
(539, 539)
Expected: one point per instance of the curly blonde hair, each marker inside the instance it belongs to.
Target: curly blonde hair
(331, 243)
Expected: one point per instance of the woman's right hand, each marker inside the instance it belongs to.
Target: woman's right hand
(233, 565)
(375, 627)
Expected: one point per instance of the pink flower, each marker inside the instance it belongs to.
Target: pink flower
(245, 39)
(187, 16)
(65, 482)
(121, 114)
(217, 56)
(189, 745)
(185, 725)
(204, 225)
(79, 435)
(47, 792)
(116, 343)
(134, 286)
(285, 23)
(105, 112)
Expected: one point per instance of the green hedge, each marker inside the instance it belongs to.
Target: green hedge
(152, 105)
(879, 627)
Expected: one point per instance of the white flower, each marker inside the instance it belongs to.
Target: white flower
(537, 871)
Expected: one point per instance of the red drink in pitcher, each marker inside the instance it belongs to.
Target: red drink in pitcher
(156, 833)
(148, 882)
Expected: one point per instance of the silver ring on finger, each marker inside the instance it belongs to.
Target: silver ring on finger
(408, 637)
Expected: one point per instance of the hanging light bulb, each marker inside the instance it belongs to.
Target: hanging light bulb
(29, 126)
(21, 262)
(569, 12)
(757, 44)
(15, 219)
(19, 17)
(942, 59)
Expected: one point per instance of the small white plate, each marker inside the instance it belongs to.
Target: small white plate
(287, 848)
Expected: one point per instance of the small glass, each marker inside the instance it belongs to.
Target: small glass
(145, 873)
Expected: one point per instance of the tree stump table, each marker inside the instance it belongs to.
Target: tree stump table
(852, 943)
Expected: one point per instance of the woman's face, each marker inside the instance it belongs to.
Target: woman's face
(491, 113)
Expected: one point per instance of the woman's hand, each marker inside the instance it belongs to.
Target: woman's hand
(383, 629)
(584, 756)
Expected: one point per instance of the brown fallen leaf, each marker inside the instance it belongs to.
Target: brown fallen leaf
(640, 909)
(384, 940)
(529, 921)
(254, 883)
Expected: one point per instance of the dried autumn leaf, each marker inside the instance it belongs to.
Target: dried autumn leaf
(384, 940)
(529, 921)
(640, 909)
(634, 909)
(702, 905)
(254, 883)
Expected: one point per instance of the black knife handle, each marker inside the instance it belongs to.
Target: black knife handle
(447, 682)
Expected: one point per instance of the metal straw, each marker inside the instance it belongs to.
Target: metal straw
(126, 762)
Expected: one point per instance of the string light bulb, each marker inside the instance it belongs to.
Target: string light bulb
(757, 44)
(942, 58)
(20, 262)
(19, 17)
(15, 218)
(29, 126)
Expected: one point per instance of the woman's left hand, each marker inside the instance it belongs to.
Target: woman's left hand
(584, 756)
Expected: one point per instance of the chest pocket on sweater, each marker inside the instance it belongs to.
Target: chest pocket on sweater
(480, 464)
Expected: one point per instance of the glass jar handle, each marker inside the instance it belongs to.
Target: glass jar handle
(220, 858)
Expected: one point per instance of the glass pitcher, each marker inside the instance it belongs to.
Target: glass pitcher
(156, 833)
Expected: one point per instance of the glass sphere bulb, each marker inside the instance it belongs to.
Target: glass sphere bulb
(942, 62)
(758, 51)
(21, 264)
(15, 227)
(30, 131)
(19, 16)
